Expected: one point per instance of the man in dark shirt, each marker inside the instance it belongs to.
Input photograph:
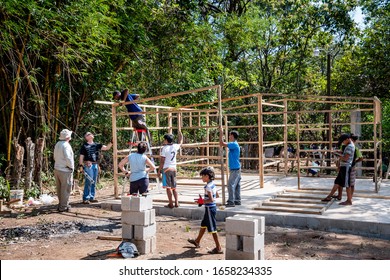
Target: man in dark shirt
(138, 120)
(88, 163)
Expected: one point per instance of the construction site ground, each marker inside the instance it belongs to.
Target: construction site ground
(357, 232)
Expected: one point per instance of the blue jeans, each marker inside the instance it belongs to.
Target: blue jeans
(89, 188)
(234, 188)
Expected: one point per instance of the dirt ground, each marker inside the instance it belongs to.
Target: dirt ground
(41, 233)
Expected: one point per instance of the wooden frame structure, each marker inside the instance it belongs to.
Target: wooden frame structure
(282, 121)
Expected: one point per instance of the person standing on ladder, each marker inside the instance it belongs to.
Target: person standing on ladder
(138, 120)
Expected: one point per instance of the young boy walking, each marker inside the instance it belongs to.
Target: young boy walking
(209, 221)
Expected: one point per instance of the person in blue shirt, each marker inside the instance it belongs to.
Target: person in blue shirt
(138, 120)
(209, 221)
(139, 172)
(234, 188)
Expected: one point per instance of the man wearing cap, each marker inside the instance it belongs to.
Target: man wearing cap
(138, 120)
(63, 169)
(343, 177)
(88, 163)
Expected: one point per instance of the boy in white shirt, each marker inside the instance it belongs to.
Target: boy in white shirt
(168, 167)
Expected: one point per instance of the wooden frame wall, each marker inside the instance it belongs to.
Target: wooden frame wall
(259, 108)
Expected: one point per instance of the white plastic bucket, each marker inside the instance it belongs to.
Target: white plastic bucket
(16, 194)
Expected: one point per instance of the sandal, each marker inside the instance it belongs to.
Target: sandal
(337, 197)
(215, 251)
(328, 198)
(169, 206)
(193, 242)
(345, 203)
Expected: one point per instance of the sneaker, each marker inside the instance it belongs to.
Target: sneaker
(86, 202)
(64, 210)
(237, 203)
(229, 205)
(93, 200)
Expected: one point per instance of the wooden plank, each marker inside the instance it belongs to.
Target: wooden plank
(280, 209)
(299, 200)
(112, 238)
(294, 205)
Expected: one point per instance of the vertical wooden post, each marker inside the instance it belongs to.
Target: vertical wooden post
(115, 150)
(30, 146)
(223, 185)
(285, 136)
(260, 135)
(170, 123)
(39, 148)
(208, 138)
(375, 148)
(298, 154)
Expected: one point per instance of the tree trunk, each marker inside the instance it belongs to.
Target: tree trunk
(18, 164)
(39, 146)
(30, 146)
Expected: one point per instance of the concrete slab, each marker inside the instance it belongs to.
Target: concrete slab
(368, 216)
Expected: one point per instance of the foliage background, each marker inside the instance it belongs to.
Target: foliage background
(57, 57)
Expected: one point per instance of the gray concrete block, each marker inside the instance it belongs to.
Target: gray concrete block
(234, 242)
(128, 231)
(246, 226)
(146, 246)
(241, 255)
(125, 202)
(141, 203)
(142, 218)
(144, 232)
(261, 221)
(253, 244)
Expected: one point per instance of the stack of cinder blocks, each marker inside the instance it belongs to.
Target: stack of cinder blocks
(245, 237)
(139, 222)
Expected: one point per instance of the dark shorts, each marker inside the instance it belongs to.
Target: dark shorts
(169, 179)
(313, 172)
(140, 186)
(139, 122)
(353, 176)
(343, 177)
(209, 219)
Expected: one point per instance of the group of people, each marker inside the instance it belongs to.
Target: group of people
(64, 167)
(139, 167)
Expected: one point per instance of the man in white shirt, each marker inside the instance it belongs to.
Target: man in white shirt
(63, 169)
(168, 167)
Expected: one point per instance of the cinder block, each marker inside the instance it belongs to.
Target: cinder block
(143, 218)
(146, 246)
(125, 202)
(234, 242)
(144, 232)
(240, 255)
(127, 231)
(141, 203)
(261, 221)
(152, 216)
(253, 244)
(246, 226)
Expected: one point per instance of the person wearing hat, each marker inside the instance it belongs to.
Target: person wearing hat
(88, 163)
(138, 120)
(343, 176)
(63, 169)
